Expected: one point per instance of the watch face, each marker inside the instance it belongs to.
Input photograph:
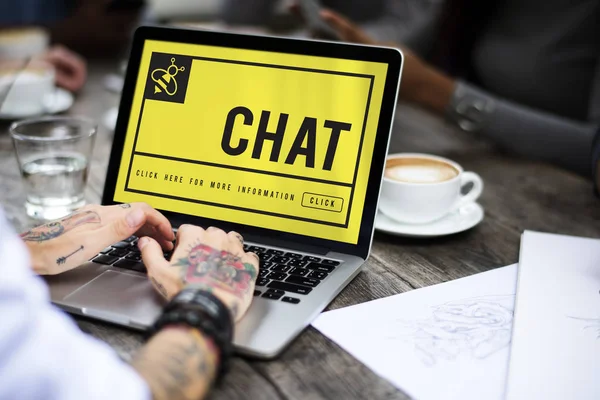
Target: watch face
(469, 108)
(472, 113)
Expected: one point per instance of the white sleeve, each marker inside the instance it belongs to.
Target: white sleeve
(43, 354)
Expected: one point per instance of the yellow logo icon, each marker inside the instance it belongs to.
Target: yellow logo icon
(165, 79)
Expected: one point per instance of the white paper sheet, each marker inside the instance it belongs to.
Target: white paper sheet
(556, 338)
(448, 341)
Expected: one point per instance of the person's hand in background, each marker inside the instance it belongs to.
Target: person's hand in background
(208, 259)
(71, 69)
(64, 244)
(421, 83)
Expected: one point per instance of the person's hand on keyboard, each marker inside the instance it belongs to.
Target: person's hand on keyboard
(207, 259)
(64, 244)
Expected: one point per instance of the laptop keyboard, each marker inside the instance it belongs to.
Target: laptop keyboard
(283, 276)
(124, 255)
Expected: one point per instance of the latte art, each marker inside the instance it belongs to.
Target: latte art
(416, 170)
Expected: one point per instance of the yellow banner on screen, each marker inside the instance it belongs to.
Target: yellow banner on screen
(271, 140)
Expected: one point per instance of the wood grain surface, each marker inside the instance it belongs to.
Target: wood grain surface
(518, 195)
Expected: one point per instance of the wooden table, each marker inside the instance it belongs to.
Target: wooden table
(518, 195)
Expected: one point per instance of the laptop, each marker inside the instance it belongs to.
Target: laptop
(282, 140)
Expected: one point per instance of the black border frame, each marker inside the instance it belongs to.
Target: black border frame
(392, 57)
(352, 185)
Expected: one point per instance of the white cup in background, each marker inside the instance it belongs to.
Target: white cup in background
(23, 43)
(421, 188)
(29, 88)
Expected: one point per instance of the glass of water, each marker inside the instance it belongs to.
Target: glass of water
(53, 154)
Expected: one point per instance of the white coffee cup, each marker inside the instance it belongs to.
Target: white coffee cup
(421, 188)
(29, 88)
(22, 43)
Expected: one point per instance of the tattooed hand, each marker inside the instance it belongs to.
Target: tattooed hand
(209, 259)
(64, 244)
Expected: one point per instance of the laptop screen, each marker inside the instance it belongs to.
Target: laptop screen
(270, 140)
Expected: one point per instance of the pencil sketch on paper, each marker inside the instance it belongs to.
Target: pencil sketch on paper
(589, 324)
(474, 327)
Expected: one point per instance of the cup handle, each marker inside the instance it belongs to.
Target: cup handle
(474, 193)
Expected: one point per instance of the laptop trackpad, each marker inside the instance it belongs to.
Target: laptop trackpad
(118, 297)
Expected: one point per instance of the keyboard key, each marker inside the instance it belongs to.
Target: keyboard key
(293, 255)
(303, 281)
(106, 260)
(130, 264)
(276, 252)
(318, 275)
(264, 265)
(297, 263)
(263, 273)
(324, 268)
(257, 293)
(299, 271)
(121, 245)
(133, 249)
(330, 262)
(289, 287)
(106, 250)
(262, 282)
(264, 256)
(257, 249)
(278, 276)
(118, 252)
(280, 260)
(311, 259)
(320, 267)
(246, 247)
(130, 239)
(292, 300)
(134, 257)
(272, 296)
(273, 265)
(276, 291)
(281, 268)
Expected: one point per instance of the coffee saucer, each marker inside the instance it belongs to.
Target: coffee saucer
(460, 220)
(109, 120)
(58, 101)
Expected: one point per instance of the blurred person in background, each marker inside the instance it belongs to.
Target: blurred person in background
(406, 21)
(88, 27)
(525, 75)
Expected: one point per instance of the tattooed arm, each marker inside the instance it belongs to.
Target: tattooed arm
(179, 362)
(63, 244)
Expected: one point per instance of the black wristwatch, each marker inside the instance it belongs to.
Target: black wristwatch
(199, 309)
(469, 108)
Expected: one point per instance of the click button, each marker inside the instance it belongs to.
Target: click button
(322, 202)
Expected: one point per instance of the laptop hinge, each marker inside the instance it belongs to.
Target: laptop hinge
(302, 247)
